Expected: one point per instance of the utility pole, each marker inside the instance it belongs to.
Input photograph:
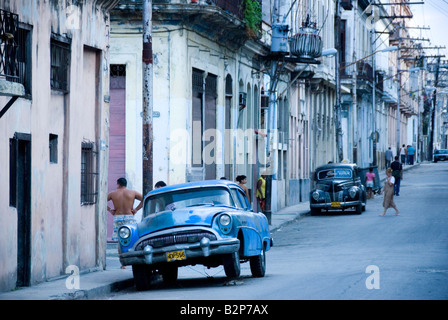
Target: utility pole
(433, 112)
(354, 136)
(337, 111)
(398, 89)
(147, 60)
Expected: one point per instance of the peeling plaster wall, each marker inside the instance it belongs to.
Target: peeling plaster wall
(62, 231)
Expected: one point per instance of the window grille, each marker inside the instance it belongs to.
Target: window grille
(89, 175)
(60, 65)
(9, 45)
(53, 148)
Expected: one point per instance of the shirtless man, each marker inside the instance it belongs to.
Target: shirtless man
(123, 200)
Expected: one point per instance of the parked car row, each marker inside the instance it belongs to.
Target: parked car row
(440, 155)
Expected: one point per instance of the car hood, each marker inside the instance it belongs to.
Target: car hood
(198, 216)
(326, 185)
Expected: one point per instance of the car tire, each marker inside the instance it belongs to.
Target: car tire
(359, 208)
(232, 267)
(258, 264)
(315, 211)
(169, 273)
(142, 276)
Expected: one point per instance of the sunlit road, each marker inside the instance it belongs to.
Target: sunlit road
(343, 255)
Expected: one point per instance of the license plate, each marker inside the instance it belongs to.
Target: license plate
(176, 255)
(335, 204)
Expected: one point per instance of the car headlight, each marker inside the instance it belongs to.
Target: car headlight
(124, 232)
(225, 220)
(352, 192)
(316, 195)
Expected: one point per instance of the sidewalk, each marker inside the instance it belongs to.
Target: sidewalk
(101, 282)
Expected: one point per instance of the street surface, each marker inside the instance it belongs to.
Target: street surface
(342, 255)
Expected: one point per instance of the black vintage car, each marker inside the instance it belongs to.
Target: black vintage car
(337, 186)
(440, 155)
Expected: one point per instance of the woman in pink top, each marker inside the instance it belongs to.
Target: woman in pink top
(370, 178)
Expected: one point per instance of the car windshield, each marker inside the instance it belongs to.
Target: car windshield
(339, 173)
(441, 151)
(179, 199)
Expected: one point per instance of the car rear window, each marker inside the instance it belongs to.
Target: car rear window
(339, 173)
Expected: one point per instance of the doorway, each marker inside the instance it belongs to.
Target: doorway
(20, 198)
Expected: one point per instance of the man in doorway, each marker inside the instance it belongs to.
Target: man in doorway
(123, 211)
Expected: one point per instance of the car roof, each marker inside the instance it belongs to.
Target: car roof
(195, 184)
(337, 165)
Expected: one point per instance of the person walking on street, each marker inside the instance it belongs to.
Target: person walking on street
(388, 156)
(388, 191)
(403, 154)
(123, 211)
(411, 153)
(370, 178)
(397, 173)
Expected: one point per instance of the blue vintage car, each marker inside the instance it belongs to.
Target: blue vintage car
(208, 222)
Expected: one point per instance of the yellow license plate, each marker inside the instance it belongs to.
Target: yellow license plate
(335, 204)
(176, 255)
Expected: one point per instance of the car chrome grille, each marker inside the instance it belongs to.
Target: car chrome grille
(175, 238)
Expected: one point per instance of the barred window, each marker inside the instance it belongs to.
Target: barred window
(60, 65)
(89, 175)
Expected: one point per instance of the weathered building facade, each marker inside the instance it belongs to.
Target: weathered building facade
(53, 138)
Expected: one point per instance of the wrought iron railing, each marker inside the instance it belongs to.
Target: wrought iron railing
(11, 48)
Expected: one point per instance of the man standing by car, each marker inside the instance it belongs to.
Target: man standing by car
(123, 200)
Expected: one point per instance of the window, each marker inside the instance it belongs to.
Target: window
(88, 174)
(24, 58)
(53, 148)
(60, 65)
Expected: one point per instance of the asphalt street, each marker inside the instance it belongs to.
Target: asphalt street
(342, 255)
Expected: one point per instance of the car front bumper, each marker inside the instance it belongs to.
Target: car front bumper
(204, 248)
(336, 206)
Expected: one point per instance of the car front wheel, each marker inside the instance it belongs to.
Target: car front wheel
(142, 276)
(258, 264)
(232, 266)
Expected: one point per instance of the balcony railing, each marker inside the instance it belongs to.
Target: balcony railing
(12, 53)
(232, 6)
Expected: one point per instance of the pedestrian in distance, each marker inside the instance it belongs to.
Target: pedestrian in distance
(388, 191)
(411, 154)
(370, 179)
(402, 153)
(397, 173)
(242, 180)
(261, 191)
(123, 211)
(388, 156)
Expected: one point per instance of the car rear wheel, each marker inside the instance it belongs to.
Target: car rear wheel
(232, 266)
(142, 276)
(258, 264)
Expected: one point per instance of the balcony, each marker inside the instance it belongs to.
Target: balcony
(225, 21)
(12, 75)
